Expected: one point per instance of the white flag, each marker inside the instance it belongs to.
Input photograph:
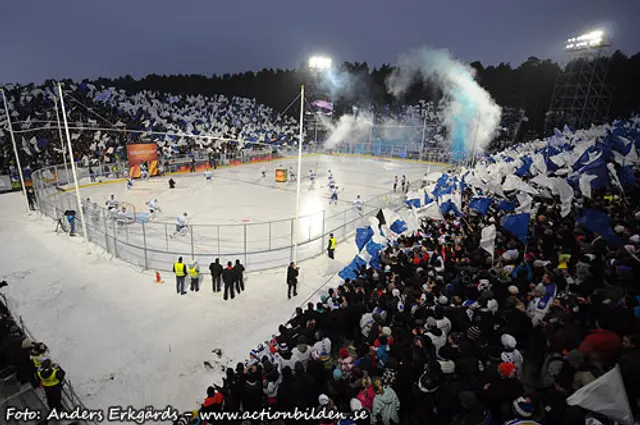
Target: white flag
(488, 239)
(430, 211)
(606, 395)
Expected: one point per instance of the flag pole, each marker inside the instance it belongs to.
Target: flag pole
(15, 150)
(298, 177)
(73, 169)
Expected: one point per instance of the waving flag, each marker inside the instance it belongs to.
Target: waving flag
(517, 225)
(481, 204)
(598, 222)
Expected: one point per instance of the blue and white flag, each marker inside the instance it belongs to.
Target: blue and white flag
(480, 204)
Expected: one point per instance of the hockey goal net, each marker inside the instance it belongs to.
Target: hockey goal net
(130, 214)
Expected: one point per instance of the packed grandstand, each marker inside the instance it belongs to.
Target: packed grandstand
(105, 119)
(497, 295)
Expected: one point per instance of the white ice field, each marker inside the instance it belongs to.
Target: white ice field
(125, 340)
(245, 216)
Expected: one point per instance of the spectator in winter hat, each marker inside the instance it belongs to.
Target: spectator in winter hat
(510, 354)
(501, 390)
(522, 408)
(345, 362)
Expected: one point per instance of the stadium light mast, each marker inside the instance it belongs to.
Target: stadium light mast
(316, 64)
(73, 168)
(64, 149)
(15, 150)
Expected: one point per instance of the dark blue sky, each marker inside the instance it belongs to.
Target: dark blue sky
(86, 39)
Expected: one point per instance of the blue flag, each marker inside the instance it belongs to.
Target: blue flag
(398, 226)
(598, 222)
(363, 236)
(505, 205)
(413, 203)
(481, 205)
(517, 225)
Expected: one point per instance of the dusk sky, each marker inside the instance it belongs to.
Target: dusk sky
(87, 39)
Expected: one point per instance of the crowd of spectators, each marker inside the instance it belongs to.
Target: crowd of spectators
(446, 331)
(228, 123)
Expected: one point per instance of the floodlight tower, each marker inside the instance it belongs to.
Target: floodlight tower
(581, 96)
(317, 93)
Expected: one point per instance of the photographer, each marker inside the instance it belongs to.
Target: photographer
(70, 215)
(292, 279)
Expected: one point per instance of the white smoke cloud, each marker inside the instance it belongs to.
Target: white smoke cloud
(349, 128)
(472, 116)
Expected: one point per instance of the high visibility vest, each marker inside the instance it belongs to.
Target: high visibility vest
(180, 269)
(52, 380)
(37, 360)
(332, 243)
(193, 272)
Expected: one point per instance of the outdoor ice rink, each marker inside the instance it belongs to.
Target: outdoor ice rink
(243, 215)
(125, 340)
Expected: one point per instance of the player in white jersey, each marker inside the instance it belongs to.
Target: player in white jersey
(129, 184)
(332, 182)
(207, 176)
(403, 182)
(181, 224)
(85, 206)
(95, 213)
(122, 217)
(292, 174)
(334, 196)
(263, 170)
(112, 203)
(154, 208)
(358, 204)
(312, 179)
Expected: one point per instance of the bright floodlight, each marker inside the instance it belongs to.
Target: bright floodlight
(320, 62)
(591, 40)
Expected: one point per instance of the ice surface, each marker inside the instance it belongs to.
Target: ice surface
(123, 339)
(243, 203)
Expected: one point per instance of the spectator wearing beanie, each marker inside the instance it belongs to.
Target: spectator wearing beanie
(390, 372)
(338, 388)
(510, 354)
(523, 411)
(301, 352)
(499, 392)
(601, 345)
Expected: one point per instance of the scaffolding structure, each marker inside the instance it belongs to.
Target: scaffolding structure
(581, 96)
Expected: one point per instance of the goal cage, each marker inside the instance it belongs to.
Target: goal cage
(132, 215)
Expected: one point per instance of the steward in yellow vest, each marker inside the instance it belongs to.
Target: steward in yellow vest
(180, 269)
(331, 247)
(52, 377)
(194, 272)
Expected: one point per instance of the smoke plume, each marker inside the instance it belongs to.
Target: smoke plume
(471, 115)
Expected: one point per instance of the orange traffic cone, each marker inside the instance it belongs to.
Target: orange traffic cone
(158, 280)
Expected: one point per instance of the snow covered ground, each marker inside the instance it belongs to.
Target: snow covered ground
(125, 340)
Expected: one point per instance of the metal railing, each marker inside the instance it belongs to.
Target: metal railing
(156, 245)
(33, 397)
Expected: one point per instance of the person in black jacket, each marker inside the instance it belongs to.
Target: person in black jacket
(292, 279)
(239, 270)
(216, 275)
(229, 278)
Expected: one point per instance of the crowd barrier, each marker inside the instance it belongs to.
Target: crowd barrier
(260, 246)
(27, 397)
